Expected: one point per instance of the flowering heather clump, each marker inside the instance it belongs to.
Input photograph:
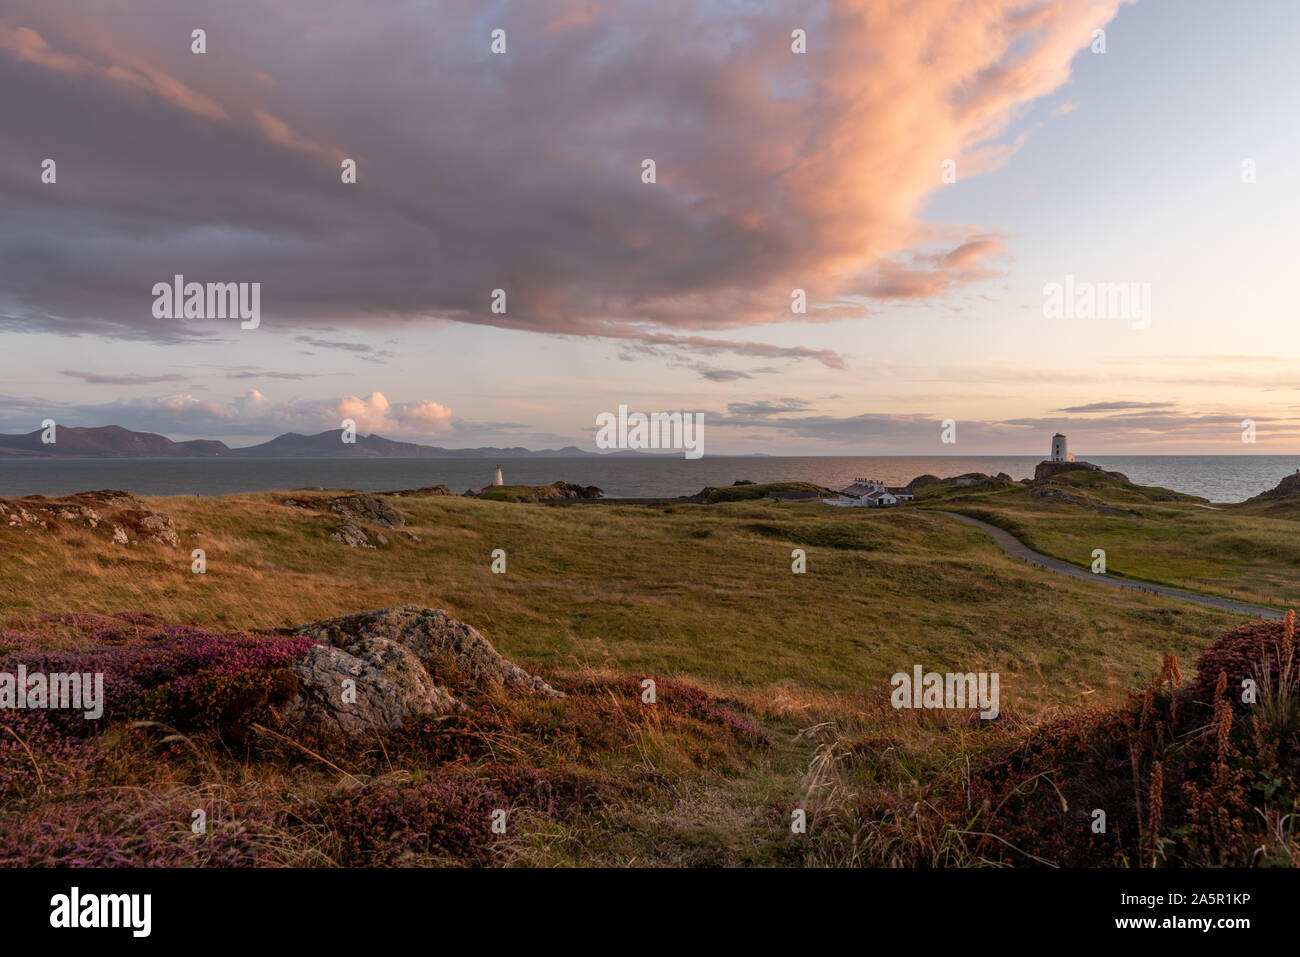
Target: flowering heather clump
(103, 794)
(179, 673)
(121, 832)
(21, 641)
(228, 702)
(36, 758)
(555, 792)
(451, 738)
(447, 818)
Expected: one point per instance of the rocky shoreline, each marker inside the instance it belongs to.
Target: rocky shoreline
(365, 519)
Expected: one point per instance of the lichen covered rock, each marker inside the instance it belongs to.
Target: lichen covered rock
(125, 518)
(452, 651)
(369, 683)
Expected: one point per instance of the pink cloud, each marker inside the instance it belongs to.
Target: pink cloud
(776, 170)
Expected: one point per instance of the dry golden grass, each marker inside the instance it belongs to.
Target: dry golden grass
(699, 593)
(704, 592)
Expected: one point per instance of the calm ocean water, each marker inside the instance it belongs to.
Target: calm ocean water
(1220, 478)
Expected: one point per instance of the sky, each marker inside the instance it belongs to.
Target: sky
(923, 171)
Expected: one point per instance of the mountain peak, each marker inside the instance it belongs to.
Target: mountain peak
(115, 441)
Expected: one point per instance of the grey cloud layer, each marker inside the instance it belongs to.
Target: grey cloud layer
(519, 172)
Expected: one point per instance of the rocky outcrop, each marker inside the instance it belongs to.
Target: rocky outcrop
(426, 490)
(119, 516)
(1289, 486)
(965, 480)
(1044, 481)
(366, 508)
(1047, 470)
(569, 490)
(356, 508)
(556, 491)
(368, 684)
(402, 662)
(159, 528)
(450, 649)
(354, 537)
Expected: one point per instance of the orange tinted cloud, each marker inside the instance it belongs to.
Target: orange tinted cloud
(775, 170)
(30, 47)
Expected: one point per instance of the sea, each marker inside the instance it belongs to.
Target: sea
(1219, 478)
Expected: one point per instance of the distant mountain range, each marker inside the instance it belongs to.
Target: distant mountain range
(115, 442)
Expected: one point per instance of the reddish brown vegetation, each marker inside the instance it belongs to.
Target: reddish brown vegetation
(191, 723)
(1184, 776)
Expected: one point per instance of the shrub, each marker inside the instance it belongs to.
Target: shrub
(1239, 654)
(180, 674)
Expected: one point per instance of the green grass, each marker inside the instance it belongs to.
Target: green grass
(520, 493)
(699, 593)
(1247, 552)
(714, 494)
(704, 592)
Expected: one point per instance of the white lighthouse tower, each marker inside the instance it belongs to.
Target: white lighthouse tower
(499, 479)
(1061, 449)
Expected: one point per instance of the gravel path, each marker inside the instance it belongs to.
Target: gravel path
(1014, 546)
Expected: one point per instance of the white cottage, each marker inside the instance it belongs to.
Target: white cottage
(873, 493)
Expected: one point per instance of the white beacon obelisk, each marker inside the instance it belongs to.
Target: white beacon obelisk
(499, 479)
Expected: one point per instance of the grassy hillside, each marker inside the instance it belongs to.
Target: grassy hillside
(713, 494)
(704, 591)
(1247, 552)
(774, 686)
(537, 493)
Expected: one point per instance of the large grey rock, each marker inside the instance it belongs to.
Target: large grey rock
(355, 509)
(452, 651)
(351, 536)
(160, 529)
(404, 662)
(370, 684)
(366, 508)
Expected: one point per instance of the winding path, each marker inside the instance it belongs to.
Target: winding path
(1014, 546)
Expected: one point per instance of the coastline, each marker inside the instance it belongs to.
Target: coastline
(1218, 479)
